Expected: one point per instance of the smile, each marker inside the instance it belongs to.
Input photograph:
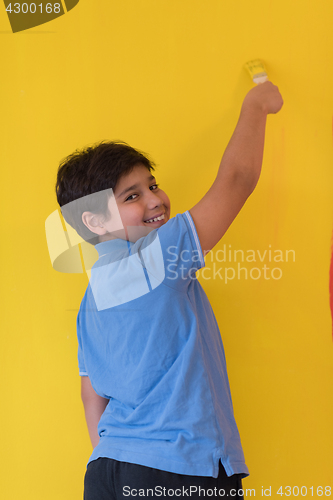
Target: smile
(161, 217)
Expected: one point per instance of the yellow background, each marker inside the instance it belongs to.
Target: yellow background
(167, 77)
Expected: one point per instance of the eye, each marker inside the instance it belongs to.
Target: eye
(131, 197)
(154, 186)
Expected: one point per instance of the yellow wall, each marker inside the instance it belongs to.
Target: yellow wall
(167, 77)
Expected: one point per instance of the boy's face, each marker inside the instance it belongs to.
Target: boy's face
(139, 201)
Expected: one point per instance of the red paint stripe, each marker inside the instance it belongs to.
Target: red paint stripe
(331, 287)
(331, 271)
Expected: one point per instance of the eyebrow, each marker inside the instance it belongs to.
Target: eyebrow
(135, 186)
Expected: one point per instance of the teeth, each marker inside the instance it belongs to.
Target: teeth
(156, 219)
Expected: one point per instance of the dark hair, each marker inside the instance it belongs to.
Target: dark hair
(94, 169)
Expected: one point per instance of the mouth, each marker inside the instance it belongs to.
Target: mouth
(158, 218)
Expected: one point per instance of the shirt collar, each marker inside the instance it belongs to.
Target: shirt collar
(111, 246)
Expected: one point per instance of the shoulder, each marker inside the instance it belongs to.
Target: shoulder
(180, 234)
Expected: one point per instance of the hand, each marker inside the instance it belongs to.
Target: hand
(266, 97)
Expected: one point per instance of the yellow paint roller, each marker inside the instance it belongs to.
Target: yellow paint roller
(257, 71)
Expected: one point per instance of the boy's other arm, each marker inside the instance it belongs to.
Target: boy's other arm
(240, 167)
(94, 406)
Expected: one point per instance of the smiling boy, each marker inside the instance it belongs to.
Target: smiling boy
(154, 381)
(139, 201)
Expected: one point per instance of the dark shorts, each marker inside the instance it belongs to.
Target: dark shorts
(108, 479)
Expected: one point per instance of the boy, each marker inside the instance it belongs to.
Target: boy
(154, 381)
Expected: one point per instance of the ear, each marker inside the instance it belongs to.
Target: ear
(94, 223)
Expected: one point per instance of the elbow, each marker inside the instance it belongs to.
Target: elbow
(252, 185)
(245, 180)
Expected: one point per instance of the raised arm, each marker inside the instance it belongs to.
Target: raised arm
(239, 169)
(94, 406)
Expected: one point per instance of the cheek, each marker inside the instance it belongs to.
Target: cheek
(166, 200)
(132, 214)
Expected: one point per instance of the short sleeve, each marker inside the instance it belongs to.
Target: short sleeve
(82, 368)
(172, 253)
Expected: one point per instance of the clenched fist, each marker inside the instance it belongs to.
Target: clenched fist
(265, 97)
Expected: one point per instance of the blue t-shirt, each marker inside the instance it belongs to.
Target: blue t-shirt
(150, 343)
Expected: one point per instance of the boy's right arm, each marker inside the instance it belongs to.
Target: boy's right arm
(239, 169)
(94, 406)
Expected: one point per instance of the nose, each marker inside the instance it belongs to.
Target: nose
(153, 200)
